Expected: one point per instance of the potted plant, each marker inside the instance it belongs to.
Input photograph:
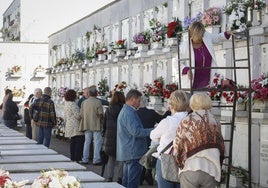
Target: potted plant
(142, 39)
(211, 19)
(119, 47)
(158, 33)
(78, 56)
(173, 28)
(103, 88)
(101, 51)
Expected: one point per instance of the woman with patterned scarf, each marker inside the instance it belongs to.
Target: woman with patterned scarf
(199, 145)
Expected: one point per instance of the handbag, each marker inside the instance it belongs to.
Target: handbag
(36, 112)
(147, 160)
(169, 167)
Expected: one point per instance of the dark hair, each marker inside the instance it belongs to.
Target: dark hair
(70, 95)
(30, 96)
(133, 93)
(7, 91)
(117, 98)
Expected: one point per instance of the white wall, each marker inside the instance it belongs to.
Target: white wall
(28, 56)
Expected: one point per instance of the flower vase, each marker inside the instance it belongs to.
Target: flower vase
(120, 52)
(156, 103)
(142, 47)
(214, 29)
(142, 50)
(171, 42)
(260, 106)
(157, 45)
(101, 57)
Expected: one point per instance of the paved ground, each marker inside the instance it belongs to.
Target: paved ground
(62, 147)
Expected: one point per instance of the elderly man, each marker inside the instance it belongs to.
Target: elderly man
(131, 139)
(92, 116)
(46, 118)
(37, 95)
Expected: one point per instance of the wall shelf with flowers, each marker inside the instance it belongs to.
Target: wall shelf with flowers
(39, 73)
(14, 73)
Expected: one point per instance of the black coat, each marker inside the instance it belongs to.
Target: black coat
(11, 110)
(110, 129)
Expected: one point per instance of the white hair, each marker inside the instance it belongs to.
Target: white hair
(37, 90)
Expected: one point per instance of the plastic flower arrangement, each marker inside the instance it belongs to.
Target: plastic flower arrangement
(158, 30)
(59, 130)
(62, 91)
(216, 83)
(101, 48)
(142, 37)
(78, 56)
(211, 16)
(260, 88)
(39, 69)
(169, 88)
(55, 178)
(188, 21)
(91, 53)
(155, 89)
(120, 44)
(15, 69)
(173, 28)
(6, 182)
(103, 88)
(120, 87)
(236, 10)
(229, 96)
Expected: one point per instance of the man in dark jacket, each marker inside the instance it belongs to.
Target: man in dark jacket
(46, 118)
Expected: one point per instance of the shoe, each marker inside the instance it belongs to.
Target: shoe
(82, 162)
(97, 164)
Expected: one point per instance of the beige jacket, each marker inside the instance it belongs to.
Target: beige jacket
(91, 113)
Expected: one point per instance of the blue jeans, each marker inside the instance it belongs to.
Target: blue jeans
(161, 182)
(97, 146)
(131, 173)
(44, 135)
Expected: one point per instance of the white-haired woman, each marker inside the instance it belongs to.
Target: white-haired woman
(199, 145)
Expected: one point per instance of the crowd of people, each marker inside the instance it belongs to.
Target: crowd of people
(126, 129)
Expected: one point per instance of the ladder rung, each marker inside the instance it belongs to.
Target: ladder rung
(246, 59)
(219, 67)
(183, 59)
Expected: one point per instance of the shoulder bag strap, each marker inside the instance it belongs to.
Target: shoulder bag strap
(166, 148)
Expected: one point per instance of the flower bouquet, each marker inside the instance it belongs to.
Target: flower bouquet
(6, 182)
(120, 44)
(158, 30)
(211, 16)
(142, 37)
(173, 28)
(236, 10)
(188, 21)
(260, 88)
(55, 178)
(62, 91)
(169, 88)
(78, 56)
(103, 88)
(155, 89)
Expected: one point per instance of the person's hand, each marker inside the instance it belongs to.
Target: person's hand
(231, 32)
(190, 75)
